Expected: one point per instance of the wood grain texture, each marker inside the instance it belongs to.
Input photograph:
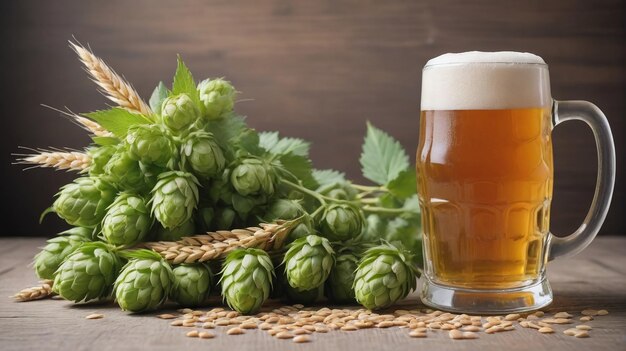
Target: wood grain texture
(594, 279)
(311, 69)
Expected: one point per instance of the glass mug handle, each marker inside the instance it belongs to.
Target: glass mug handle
(589, 113)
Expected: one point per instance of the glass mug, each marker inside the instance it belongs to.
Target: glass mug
(484, 165)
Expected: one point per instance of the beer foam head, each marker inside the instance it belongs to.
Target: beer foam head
(485, 81)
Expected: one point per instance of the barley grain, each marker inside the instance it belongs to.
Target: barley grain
(206, 335)
(546, 330)
(234, 331)
(583, 327)
(603, 312)
(95, 316)
(192, 334)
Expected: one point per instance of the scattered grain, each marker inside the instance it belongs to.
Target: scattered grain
(417, 334)
(234, 331)
(546, 330)
(284, 335)
(511, 317)
(205, 335)
(192, 334)
(95, 316)
(301, 339)
(583, 327)
(166, 316)
(589, 312)
(603, 312)
(582, 334)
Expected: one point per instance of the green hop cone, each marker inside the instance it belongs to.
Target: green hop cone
(247, 279)
(179, 113)
(100, 156)
(127, 221)
(384, 276)
(341, 222)
(192, 284)
(253, 176)
(125, 172)
(308, 262)
(203, 155)
(341, 278)
(144, 283)
(303, 229)
(151, 144)
(87, 273)
(339, 190)
(83, 203)
(217, 96)
(174, 234)
(49, 259)
(174, 198)
(283, 209)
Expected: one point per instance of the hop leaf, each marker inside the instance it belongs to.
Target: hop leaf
(217, 96)
(127, 220)
(84, 202)
(247, 279)
(144, 283)
(192, 284)
(308, 262)
(174, 198)
(383, 157)
(57, 249)
(88, 273)
(384, 276)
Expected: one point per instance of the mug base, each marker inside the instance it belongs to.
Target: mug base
(481, 301)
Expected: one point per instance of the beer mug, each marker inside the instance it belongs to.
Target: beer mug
(485, 173)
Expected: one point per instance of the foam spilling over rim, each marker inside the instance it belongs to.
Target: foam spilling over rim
(485, 81)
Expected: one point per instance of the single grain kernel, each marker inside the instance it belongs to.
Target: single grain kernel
(385, 324)
(546, 330)
(301, 331)
(192, 334)
(586, 319)
(589, 312)
(570, 332)
(471, 328)
(166, 316)
(583, 327)
(603, 312)
(248, 325)
(562, 315)
(206, 335)
(582, 334)
(301, 339)
(417, 334)
(234, 331)
(265, 326)
(455, 334)
(470, 335)
(95, 316)
(349, 327)
(511, 317)
(177, 323)
(539, 313)
(208, 325)
(284, 335)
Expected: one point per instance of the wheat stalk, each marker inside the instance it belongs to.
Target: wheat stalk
(35, 293)
(201, 248)
(113, 86)
(67, 160)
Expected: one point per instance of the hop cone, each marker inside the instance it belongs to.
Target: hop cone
(203, 155)
(341, 278)
(339, 190)
(174, 198)
(125, 172)
(83, 202)
(384, 276)
(247, 279)
(127, 220)
(174, 234)
(192, 284)
(253, 176)
(305, 228)
(100, 156)
(308, 262)
(144, 283)
(151, 144)
(88, 273)
(57, 249)
(217, 96)
(341, 222)
(179, 113)
(283, 209)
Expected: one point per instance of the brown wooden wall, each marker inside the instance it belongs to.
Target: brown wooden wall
(311, 69)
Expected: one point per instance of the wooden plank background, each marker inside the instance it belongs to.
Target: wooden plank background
(311, 69)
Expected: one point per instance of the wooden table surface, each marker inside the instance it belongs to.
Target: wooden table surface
(594, 279)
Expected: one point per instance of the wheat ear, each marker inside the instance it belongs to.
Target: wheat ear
(35, 293)
(213, 245)
(85, 123)
(62, 160)
(113, 85)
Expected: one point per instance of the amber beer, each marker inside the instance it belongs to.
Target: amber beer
(484, 165)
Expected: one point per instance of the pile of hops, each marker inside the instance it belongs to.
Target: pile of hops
(186, 163)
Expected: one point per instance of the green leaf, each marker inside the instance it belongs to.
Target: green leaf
(117, 120)
(301, 168)
(184, 83)
(104, 141)
(404, 185)
(412, 208)
(248, 140)
(277, 146)
(383, 158)
(226, 128)
(328, 176)
(159, 94)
